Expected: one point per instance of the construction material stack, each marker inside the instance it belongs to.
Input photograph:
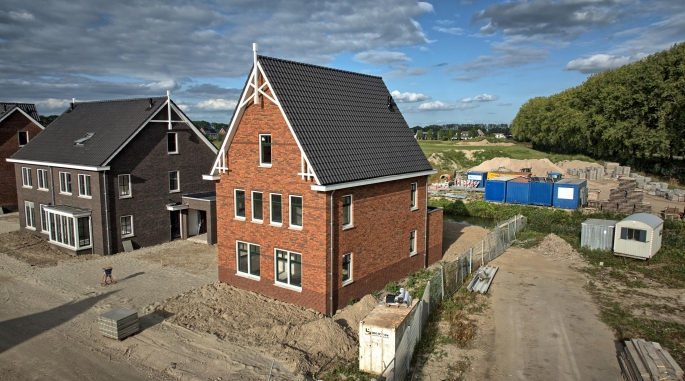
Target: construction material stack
(118, 323)
(643, 360)
(627, 198)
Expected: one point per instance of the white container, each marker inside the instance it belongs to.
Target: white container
(380, 334)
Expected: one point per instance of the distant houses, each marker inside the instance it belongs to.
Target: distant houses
(213, 133)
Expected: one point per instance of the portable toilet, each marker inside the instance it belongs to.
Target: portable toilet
(638, 236)
(477, 176)
(496, 189)
(518, 191)
(570, 193)
(597, 234)
(541, 191)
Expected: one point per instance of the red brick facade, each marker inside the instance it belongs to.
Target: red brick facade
(9, 144)
(379, 238)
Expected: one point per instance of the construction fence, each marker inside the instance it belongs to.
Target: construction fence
(444, 284)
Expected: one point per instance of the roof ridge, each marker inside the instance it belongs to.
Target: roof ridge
(121, 100)
(319, 66)
(19, 104)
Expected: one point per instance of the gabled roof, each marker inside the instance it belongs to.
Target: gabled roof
(346, 123)
(211, 130)
(111, 123)
(29, 108)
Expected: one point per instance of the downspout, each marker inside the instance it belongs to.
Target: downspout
(425, 230)
(52, 187)
(104, 181)
(331, 295)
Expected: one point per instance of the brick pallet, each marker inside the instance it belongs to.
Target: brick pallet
(642, 360)
(118, 323)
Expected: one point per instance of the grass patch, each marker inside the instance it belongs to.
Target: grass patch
(344, 370)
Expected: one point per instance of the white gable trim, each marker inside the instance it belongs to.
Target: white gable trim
(59, 165)
(375, 180)
(25, 114)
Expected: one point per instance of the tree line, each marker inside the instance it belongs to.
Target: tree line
(448, 131)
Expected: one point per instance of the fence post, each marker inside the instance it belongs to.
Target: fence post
(470, 259)
(442, 281)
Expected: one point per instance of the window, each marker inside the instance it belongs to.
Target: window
(276, 212)
(413, 195)
(23, 138)
(26, 177)
(174, 183)
(126, 226)
(84, 231)
(296, 211)
(124, 186)
(43, 219)
(239, 204)
(257, 212)
(248, 258)
(65, 182)
(171, 142)
(412, 242)
(347, 269)
(265, 150)
(84, 185)
(347, 211)
(65, 232)
(42, 179)
(30, 215)
(634, 234)
(288, 268)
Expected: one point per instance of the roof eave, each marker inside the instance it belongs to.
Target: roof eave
(375, 180)
(95, 168)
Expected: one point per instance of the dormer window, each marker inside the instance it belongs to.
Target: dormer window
(83, 140)
(265, 150)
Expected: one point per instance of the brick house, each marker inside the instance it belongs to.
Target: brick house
(321, 188)
(107, 174)
(19, 123)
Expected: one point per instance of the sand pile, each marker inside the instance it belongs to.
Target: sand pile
(539, 167)
(566, 164)
(483, 143)
(298, 336)
(457, 238)
(557, 249)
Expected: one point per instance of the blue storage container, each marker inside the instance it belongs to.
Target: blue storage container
(477, 176)
(518, 191)
(496, 189)
(570, 193)
(541, 191)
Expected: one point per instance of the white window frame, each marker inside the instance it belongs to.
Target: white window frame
(44, 219)
(342, 263)
(30, 215)
(62, 181)
(247, 274)
(26, 180)
(351, 223)
(175, 143)
(287, 284)
(254, 219)
(261, 163)
(19, 138)
(271, 209)
(121, 226)
(84, 189)
(42, 175)
(56, 220)
(235, 204)
(414, 201)
(130, 188)
(413, 249)
(290, 213)
(178, 182)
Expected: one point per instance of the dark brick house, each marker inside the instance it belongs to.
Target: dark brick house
(108, 173)
(19, 123)
(321, 188)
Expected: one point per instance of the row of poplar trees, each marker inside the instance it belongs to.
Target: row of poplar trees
(633, 114)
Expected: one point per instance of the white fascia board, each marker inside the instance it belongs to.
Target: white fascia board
(375, 180)
(211, 177)
(59, 165)
(25, 114)
(192, 127)
(177, 207)
(278, 103)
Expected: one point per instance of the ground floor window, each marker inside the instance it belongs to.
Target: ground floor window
(634, 234)
(347, 268)
(247, 256)
(126, 226)
(30, 211)
(288, 268)
(69, 230)
(43, 219)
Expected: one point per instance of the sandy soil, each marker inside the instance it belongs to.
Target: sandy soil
(539, 167)
(457, 238)
(566, 164)
(9, 222)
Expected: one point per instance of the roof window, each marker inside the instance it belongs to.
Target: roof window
(83, 140)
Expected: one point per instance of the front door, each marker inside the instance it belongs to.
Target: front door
(175, 219)
(202, 217)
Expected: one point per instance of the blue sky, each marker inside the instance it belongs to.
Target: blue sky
(468, 61)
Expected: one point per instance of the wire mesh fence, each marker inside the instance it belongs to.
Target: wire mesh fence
(444, 284)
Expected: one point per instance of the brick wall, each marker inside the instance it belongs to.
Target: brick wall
(9, 145)
(435, 235)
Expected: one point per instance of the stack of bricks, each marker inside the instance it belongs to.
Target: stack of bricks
(627, 199)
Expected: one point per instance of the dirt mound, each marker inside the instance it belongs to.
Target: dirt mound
(303, 338)
(539, 167)
(566, 164)
(557, 249)
(457, 238)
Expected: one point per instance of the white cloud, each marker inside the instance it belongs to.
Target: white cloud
(426, 7)
(20, 16)
(52, 104)
(162, 86)
(408, 97)
(403, 71)
(439, 106)
(380, 57)
(597, 63)
(454, 31)
(217, 105)
(481, 98)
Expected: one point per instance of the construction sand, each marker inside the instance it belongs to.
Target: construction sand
(557, 249)
(566, 164)
(539, 167)
(457, 238)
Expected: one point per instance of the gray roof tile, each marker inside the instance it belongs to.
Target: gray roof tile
(28, 108)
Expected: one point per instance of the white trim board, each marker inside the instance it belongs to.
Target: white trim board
(58, 165)
(375, 180)
(25, 114)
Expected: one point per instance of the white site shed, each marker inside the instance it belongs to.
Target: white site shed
(638, 236)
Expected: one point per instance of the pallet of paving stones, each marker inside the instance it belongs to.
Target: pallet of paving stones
(643, 360)
(118, 323)
(643, 208)
(626, 208)
(609, 206)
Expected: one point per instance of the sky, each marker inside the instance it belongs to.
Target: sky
(459, 61)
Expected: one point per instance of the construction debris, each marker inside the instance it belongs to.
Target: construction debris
(643, 360)
(482, 279)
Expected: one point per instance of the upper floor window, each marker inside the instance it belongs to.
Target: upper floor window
(174, 182)
(412, 242)
(23, 138)
(413, 195)
(84, 185)
(239, 203)
(347, 211)
(276, 209)
(65, 182)
(265, 150)
(296, 211)
(26, 177)
(42, 179)
(172, 142)
(257, 211)
(124, 186)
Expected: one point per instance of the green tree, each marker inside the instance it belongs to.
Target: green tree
(419, 135)
(450, 133)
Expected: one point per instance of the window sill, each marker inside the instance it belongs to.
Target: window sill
(347, 227)
(172, 153)
(88, 197)
(175, 191)
(413, 254)
(27, 186)
(264, 165)
(30, 228)
(129, 196)
(239, 218)
(288, 287)
(257, 221)
(65, 193)
(275, 224)
(295, 227)
(43, 189)
(248, 276)
(347, 282)
(414, 209)
(44, 232)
